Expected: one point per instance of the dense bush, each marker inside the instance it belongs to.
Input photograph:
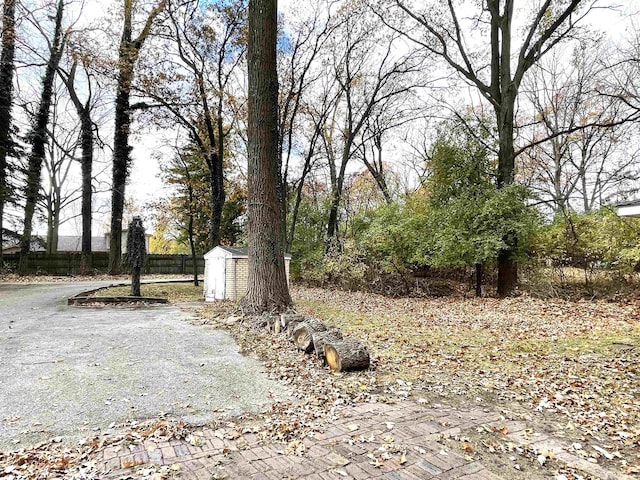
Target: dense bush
(596, 239)
(458, 220)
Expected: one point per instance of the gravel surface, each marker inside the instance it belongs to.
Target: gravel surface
(70, 371)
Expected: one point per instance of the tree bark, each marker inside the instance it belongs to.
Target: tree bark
(302, 334)
(6, 94)
(127, 57)
(86, 264)
(86, 163)
(346, 355)
(320, 339)
(507, 268)
(216, 180)
(136, 253)
(192, 243)
(268, 288)
(38, 135)
(128, 54)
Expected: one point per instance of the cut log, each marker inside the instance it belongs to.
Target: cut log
(346, 355)
(287, 318)
(292, 323)
(270, 322)
(302, 335)
(328, 336)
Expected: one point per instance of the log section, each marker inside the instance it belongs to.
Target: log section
(321, 338)
(346, 355)
(302, 334)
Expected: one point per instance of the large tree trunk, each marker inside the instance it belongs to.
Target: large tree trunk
(507, 268)
(268, 288)
(192, 243)
(337, 184)
(121, 151)
(128, 54)
(39, 132)
(87, 191)
(6, 93)
(216, 181)
(86, 164)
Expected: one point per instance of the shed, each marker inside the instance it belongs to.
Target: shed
(225, 273)
(629, 209)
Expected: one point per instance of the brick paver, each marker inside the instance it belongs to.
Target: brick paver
(365, 443)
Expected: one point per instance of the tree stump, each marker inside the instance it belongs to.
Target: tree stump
(346, 355)
(302, 334)
(321, 338)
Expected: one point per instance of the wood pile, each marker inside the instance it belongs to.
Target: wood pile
(312, 336)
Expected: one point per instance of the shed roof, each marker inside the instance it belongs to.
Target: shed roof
(629, 203)
(239, 252)
(629, 209)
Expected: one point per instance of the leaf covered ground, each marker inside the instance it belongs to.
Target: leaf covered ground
(568, 368)
(571, 366)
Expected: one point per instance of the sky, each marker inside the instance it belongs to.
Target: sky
(145, 184)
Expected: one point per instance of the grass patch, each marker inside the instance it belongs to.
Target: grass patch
(575, 358)
(173, 292)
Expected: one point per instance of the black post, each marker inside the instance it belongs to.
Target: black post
(136, 253)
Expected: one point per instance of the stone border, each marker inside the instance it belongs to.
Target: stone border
(86, 298)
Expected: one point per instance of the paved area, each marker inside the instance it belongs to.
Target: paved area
(402, 441)
(73, 371)
(371, 440)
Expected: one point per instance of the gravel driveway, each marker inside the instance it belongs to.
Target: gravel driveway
(70, 371)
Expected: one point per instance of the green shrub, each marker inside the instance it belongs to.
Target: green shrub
(596, 239)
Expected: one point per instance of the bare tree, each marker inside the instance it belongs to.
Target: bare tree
(316, 112)
(443, 30)
(85, 108)
(205, 47)
(583, 158)
(38, 134)
(7, 68)
(299, 74)
(59, 159)
(370, 73)
(128, 54)
(268, 288)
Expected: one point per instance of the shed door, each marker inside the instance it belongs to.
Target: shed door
(218, 277)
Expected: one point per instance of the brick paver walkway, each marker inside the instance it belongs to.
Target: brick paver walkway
(369, 441)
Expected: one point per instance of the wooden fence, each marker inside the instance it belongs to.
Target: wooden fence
(69, 263)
